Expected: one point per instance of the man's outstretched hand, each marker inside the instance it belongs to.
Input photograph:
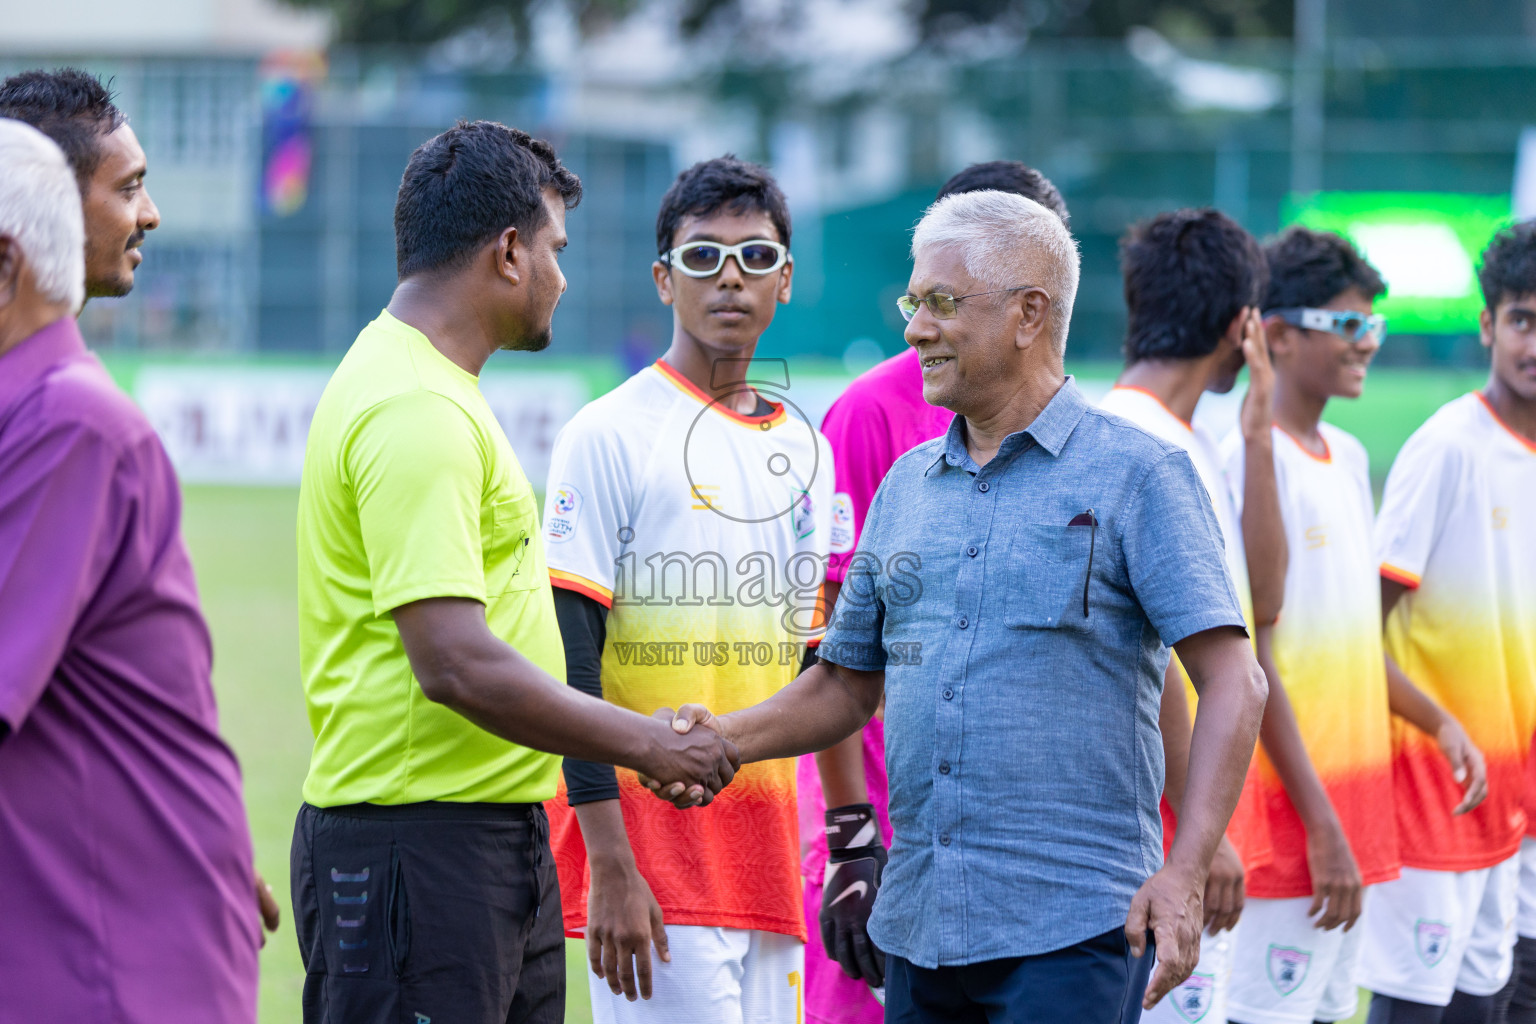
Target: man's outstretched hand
(693, 765)
(1168, 905)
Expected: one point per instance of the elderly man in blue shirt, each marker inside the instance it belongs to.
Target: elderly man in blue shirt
(1016, 590)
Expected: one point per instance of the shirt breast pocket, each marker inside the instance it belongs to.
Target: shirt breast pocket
(511, 560)
(1049, 584)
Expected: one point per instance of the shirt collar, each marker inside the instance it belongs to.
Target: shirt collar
(953, 449)
(1059, 418)
(36, 355)
(1050, 429)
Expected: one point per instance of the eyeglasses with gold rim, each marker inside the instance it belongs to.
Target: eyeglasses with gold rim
(943, 305)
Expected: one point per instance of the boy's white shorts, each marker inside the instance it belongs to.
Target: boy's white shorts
(1203, 997)
(1429, 934)
(729, 975)
(1285, 970)
(1525, 919)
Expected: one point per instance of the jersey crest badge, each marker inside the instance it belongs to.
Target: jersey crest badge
(1192, 1000)
(1431, 940)
(841, 539)
(1288, 968)
(565, 511)
(803, 515)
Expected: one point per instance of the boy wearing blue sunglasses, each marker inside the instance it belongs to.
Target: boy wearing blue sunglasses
(1293, 963)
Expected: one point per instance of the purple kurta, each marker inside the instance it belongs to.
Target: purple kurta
(126, 879)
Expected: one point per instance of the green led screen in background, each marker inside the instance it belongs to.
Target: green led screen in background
(1426, 245)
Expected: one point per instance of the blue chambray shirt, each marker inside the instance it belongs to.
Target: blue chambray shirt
(1021, 734)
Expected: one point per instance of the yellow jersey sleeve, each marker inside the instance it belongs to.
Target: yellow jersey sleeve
(416, 464)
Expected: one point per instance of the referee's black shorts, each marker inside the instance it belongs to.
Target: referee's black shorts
(430, 913)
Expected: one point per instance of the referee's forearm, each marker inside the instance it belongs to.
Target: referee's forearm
(825, 704)
(506, 694)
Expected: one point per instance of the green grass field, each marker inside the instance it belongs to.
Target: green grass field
(242, 544)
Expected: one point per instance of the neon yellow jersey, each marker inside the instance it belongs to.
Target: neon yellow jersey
(411, 491)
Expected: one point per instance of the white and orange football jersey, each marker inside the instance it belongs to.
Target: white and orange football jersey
(706, 534)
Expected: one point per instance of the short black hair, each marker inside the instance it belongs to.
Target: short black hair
(1008, 176)
(71, 107)
(466, 186)
(1312, 268)
(1187, 274)
(724, 183)
(1509, 265)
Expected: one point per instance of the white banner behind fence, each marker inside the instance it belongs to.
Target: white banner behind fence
(248, 425)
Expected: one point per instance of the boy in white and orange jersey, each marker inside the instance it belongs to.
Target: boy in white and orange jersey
(1193, 283)
(1456, 543)
(1295, 963)
(687, 520)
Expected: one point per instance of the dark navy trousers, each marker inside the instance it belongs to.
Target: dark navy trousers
(1093, 982)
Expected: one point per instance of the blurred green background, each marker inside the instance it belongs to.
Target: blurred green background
(242, 542)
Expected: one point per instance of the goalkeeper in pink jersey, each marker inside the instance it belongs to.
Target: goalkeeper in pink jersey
(880, 417)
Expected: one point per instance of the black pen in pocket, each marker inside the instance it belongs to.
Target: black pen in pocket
(1091, 521)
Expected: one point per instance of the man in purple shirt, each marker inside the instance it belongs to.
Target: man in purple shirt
(125, 862)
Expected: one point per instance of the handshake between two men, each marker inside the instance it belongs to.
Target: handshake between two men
(825, 704)
(692, 766)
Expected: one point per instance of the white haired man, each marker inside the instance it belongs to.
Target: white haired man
(123, 844)
(1021, 656)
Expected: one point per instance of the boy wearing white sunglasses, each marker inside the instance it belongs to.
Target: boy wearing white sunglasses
(688, 516)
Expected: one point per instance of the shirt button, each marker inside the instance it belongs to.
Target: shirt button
(964, 622)
(943, 767)
(983, 487)
(971, 550)
(949, 694)
(943, 838)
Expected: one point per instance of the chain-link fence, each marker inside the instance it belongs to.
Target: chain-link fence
(258, 254)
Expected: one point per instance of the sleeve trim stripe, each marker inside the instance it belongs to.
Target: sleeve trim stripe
(1403, 576)
(581, 585)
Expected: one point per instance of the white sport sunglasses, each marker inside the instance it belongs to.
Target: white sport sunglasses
(705, 259)
(1347, 324)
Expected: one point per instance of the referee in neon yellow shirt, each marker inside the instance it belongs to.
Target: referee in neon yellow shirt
(423, 887)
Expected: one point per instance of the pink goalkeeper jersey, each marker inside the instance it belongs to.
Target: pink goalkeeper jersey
(880, 418)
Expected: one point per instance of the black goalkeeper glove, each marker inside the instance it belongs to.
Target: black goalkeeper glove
(856, 858)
